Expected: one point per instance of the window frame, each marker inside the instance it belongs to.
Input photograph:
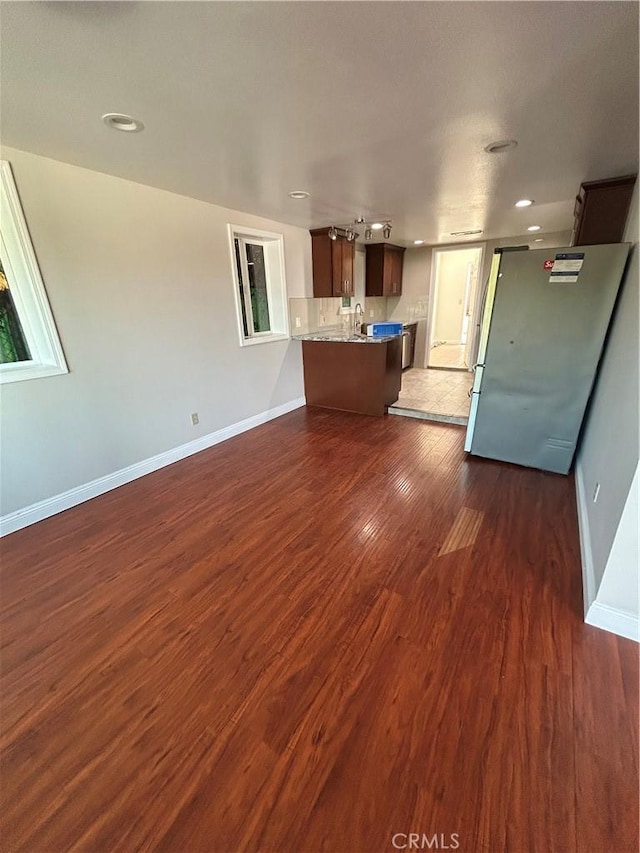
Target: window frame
(27, 290)
(273, 247)
(244, 263)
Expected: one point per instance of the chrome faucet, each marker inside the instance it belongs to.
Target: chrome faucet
(358, 310)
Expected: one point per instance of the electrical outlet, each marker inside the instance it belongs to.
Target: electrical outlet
(195, 420)
(596, 492)
(298, 322)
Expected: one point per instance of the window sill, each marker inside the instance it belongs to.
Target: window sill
(21, 371)
(266, 339)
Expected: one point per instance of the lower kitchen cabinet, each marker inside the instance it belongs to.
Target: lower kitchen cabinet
(353, 377)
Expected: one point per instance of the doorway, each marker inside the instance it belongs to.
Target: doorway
(454, 286)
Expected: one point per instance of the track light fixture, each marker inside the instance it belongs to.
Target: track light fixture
(350, 233)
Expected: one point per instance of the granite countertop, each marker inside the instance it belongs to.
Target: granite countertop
(343, 337)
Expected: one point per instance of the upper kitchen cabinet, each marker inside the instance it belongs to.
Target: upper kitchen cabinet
(333, 264)
(384, 269)
(601, 211)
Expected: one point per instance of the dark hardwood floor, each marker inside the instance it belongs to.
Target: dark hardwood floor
(322, 634)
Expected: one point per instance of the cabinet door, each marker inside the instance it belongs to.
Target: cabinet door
(336, 265)
(601, 211)
(392, 272)
(348, 267)
(387, 272)
(321, 256)
(373, 271)
(396, 273)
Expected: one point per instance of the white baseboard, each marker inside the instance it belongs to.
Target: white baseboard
(620, 622)
(58, 503)
(588, 576)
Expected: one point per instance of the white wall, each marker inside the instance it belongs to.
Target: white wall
(140, 285)
(608, 452)
(618, 583)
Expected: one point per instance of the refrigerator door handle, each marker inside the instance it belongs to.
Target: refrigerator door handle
(478, 369)
(473, 411)
(474, 396)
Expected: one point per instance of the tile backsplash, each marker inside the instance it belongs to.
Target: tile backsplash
(375, 309)
(313, 315)
(408, 308)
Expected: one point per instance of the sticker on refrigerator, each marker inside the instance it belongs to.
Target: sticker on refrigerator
(566, 268)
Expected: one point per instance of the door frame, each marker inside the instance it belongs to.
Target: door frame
(456, 247)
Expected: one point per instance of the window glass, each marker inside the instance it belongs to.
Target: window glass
(258, 288)
(13, 344)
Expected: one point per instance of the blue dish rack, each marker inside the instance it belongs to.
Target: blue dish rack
(380, 330)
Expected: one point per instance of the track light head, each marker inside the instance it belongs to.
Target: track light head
(348, 231)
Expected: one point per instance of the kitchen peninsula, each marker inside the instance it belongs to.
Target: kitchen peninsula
(351, 372)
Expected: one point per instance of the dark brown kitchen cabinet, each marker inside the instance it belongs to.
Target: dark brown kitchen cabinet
(384, 269)
(333, 264)
(601, 210)
(353, 377)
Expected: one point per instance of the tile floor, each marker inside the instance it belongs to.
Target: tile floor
(448, 355)
(443, 394)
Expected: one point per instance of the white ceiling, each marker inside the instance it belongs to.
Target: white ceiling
(375, 108)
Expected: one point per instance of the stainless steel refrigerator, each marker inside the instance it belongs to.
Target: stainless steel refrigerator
(545, 319)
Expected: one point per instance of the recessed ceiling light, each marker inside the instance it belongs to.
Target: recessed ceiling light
(500, 146)
(377, 226)
(466, 233)
(533, 228)
(418, 242)
(524, 202)
(119, 121)
(539, 240)
(300, 194)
